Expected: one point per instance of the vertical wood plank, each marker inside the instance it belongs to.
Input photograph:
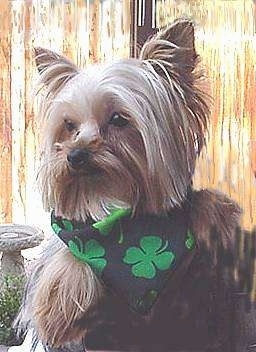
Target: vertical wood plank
(31, 138)
(5, 113)
(94, 43)
(18, 112)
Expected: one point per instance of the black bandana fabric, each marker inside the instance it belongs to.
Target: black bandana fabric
(132, 256)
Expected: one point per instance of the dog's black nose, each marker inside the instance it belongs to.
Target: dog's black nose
(78, 158)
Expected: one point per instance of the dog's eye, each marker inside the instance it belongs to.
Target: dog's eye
(118, 120)
(69, 125)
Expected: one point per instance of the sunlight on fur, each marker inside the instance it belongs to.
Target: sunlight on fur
(62, 298)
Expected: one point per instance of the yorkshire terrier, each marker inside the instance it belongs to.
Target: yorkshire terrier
(134, 264)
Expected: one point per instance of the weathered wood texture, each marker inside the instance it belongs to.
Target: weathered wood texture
(84, 30)
(89, 31)
(5, 114)
(226, 40)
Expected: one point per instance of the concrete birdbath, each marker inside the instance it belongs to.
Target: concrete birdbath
(13, 239)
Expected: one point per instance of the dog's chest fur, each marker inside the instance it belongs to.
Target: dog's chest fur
(193, 314)
(195, 311)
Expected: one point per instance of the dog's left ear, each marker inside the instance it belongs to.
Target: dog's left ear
(55, 70)
(173, 47)
(45, 58)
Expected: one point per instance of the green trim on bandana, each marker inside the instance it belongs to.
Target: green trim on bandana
(106, 225)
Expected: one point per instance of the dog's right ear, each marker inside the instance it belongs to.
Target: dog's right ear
(54, 69)
(172, 50)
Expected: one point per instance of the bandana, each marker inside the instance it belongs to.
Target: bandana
(134, 257)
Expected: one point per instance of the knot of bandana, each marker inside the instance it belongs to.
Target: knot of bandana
(134, 257)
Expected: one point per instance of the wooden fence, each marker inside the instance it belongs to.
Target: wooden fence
(99, 30)
(226, 41)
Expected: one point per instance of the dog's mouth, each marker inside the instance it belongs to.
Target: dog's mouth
(85, 170)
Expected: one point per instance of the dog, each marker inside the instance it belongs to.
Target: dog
(119, 148)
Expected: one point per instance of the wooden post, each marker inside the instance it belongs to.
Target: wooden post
(143, 24)
(5, 114)
(17, 117)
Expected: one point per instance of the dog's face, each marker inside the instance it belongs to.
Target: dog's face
(126, 134)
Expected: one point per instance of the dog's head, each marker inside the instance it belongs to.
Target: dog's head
(124, 134)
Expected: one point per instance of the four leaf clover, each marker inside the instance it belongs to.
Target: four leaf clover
(150, 256)
(90, 252)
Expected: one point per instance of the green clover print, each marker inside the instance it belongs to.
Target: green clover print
(67, 225)
(150, 256)
(190, 240)
(90, 252)
(147, 300)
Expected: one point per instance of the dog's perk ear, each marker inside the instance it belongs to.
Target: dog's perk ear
(45, 58)
(55, 70)
(173, 46)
